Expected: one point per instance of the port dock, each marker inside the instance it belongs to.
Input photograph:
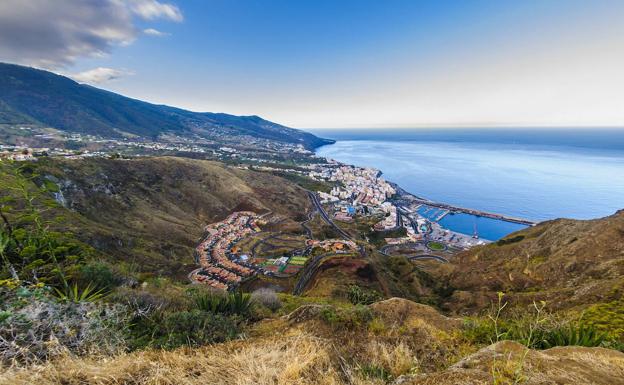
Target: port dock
(453, 209)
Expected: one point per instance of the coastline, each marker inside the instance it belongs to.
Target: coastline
(404, 198)
(402, 193)
(489, 173)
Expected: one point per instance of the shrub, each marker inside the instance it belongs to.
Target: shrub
(572, 335)
(536, 331)
(348, 318)
(268, 298)
(393, 358)
(360, 296)
(370, 371)
(606, 317)
(35, 326)
(78, 294)
(506, 241)
(167, 330)
(98, 274)
(148, 298)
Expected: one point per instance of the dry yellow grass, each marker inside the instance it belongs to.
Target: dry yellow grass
(303, 359)
(398, 358)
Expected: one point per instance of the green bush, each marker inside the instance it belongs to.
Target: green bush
(479, 330)
(78, 294)
(506, 241)
(347, 318)
(374, 372)
(151, 298)
(607, 317)
(169, 330)
(29, 250)
(98, 274)
(360, 296)
(542, 336)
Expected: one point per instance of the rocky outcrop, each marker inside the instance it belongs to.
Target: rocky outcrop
(400, 310)
(508, 362)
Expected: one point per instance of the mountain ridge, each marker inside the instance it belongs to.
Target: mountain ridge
(34, 96)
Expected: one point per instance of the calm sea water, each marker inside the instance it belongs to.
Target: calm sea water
(534, 174)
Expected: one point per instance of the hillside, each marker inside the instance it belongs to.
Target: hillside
(400, 342)
(32, 96)
(136, 223)
(565, 262)
(151, 211)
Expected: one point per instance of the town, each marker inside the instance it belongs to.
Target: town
(362, 191)
(353, 192)
(223, 265)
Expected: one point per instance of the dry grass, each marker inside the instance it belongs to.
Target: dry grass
(293, 360)
(286, 352)
(397, 359)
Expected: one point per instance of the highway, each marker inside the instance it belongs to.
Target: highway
(325, 217)
(384, 251)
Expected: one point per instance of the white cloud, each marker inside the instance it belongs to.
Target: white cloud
(152, 9)
(99, 75)
(155, 32)
(53, 34)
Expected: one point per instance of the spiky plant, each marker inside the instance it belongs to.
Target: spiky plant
(76, 294)
(574, 335)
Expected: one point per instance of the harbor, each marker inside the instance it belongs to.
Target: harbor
(459, 220)
(450, 209)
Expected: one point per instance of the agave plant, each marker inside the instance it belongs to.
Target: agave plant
(212, 302)
(230, 303)
(574, 335)
(239, 302)
(76, 294)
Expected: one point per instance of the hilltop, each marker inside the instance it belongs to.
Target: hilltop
(31, 96)
(569, 263)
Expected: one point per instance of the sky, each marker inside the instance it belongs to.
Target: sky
(339, 64)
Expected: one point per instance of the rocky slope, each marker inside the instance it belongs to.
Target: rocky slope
(509, 362)
(565, 262)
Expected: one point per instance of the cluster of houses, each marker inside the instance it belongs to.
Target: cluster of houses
(360, 185)
(221, 267)
(16, 153)
(390, 221)
(332, 245)
(23, 153)
(360, 190)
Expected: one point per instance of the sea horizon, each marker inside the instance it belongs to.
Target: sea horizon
(537, 175)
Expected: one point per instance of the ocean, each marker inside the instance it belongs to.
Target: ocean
(528, 173)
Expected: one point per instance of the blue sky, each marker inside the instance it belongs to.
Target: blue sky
(314, 64)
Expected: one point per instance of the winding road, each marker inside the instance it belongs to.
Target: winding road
(308, 272)
(325, 217)
(428, 256)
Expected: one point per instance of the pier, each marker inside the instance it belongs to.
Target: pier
(445, 213)
(451, 208)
